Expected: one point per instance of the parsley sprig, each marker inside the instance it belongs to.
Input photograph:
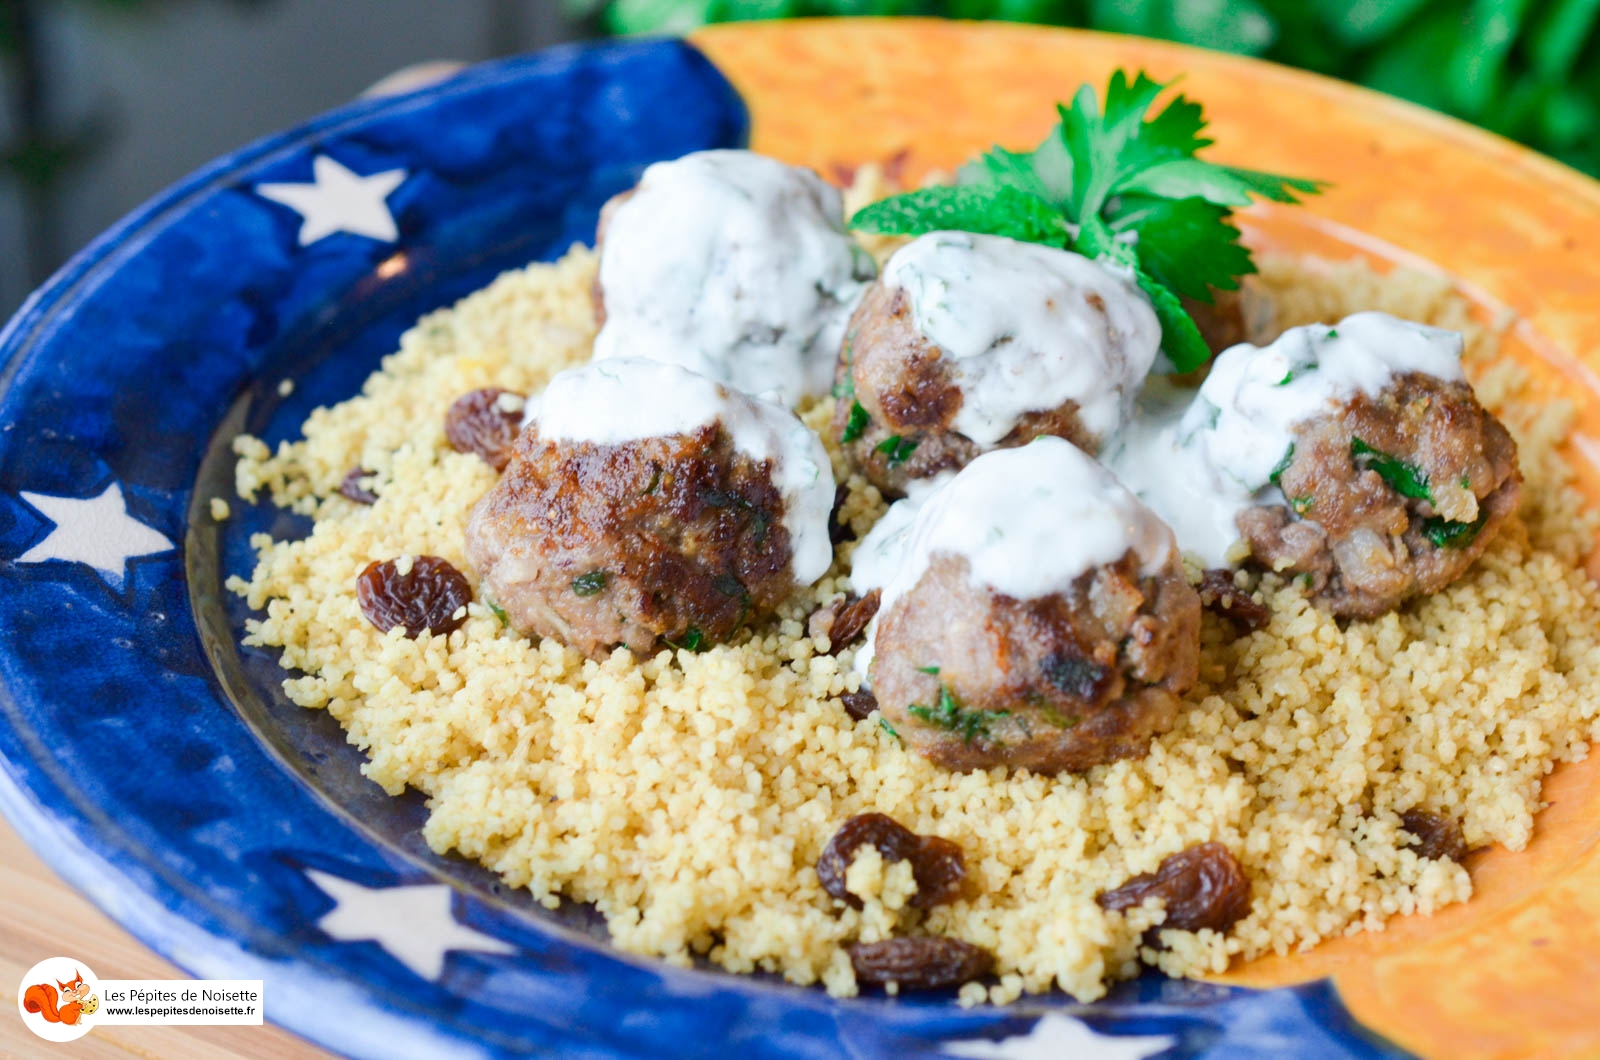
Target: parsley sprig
(1112, 185)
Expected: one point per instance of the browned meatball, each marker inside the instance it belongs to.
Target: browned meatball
(970, 343)
(972, 678)
(734, 265)
(897, 401)
(632, 544)
(605, 530)
(1389, 498)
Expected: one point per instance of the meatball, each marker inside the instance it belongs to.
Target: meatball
(647, 505)
(1002, 641)
(734, 265)
(1354, 455)
(1389, 497)
(969, 343)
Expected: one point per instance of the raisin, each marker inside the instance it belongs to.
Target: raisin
(936, 864)
(924, 963)
(843, 620)
(859, 705)
(1436, 836)
(1204, 886)
(1221, 596)
(478, 422)
(940, 872)
(352, 488)
(853, 618)
(839, 532)
(425, 599)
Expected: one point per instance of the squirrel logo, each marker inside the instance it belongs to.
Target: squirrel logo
(54, 1005)
(63, 1006)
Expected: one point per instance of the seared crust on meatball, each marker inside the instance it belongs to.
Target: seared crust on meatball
(972, 678)
(903, 386)
(634, 544)
(1365, 545)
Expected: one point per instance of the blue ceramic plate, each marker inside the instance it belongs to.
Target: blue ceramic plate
(158, 766)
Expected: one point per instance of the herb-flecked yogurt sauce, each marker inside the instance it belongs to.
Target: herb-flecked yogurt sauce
(1199, 459)
(600, 402)
(1029, 521)
(736, 266)
(1026, 327)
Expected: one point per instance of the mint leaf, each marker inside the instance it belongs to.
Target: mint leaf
(1181, 340)
(1045, 172)
(1097, 240)
(989, 209)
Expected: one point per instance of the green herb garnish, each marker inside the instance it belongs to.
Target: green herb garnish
(884, 723)
(896, 448)
(693, 640)
(590, 584)
(1302, 504)
(1442, 533)
(655, 480)
(951, 716)
(1282, 465)
(933, 670)
(859, 418)
(1405, 478)
(993, 209)
(1110, 184)
(1056, 718)
(500, 613)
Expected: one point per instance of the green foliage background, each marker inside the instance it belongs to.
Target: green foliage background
(1527, 69)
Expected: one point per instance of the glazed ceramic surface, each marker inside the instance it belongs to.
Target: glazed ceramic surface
(158, 766)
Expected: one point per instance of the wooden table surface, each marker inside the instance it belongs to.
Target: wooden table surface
(40, 916)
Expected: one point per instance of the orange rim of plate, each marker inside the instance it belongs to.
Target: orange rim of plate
(1513, 971)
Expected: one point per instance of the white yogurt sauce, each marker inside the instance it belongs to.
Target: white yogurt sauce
(1013, 321)
(1200, 462)
(629, 399)
(1027, 520)
(736, 266)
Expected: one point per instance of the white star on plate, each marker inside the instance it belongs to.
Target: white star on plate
(339, 200)
(413, 923)
(1056, 1037)
(97, 531)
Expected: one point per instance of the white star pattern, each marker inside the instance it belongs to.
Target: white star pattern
(1056, 1037)
(338, 200)
(413, 924)
(97, 531)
